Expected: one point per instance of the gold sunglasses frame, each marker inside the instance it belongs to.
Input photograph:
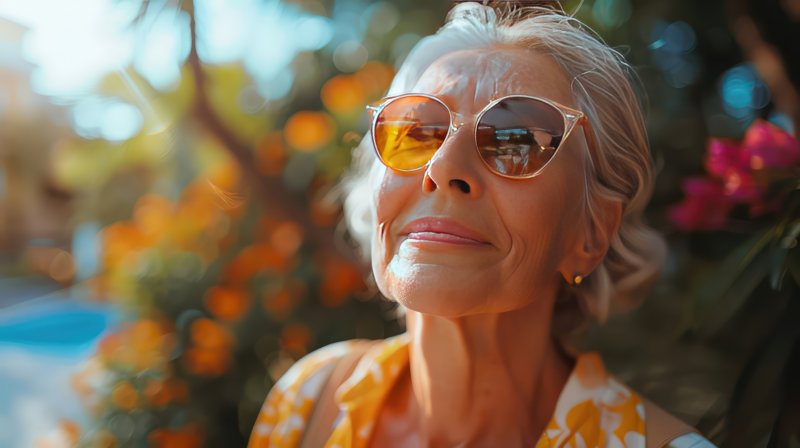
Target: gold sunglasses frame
(571, 118)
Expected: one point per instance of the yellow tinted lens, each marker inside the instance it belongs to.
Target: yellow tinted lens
(409, 130)
(518, 135)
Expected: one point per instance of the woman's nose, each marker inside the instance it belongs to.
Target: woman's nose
(453, 166)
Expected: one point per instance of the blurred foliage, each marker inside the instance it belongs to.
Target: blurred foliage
(222, 244)
(227, 263)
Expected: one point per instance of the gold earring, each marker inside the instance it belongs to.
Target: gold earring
(577, 279)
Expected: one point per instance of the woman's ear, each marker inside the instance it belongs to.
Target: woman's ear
(592, 243)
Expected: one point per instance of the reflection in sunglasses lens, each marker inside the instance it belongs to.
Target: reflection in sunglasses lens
(518, 136)
(409, 130)
(515, 137)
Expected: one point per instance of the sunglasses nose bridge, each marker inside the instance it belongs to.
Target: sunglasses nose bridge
(456, 121)
(453, 168)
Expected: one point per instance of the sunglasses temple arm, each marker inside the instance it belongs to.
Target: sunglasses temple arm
(588, 131)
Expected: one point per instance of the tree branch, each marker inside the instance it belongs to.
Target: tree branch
(269, 191)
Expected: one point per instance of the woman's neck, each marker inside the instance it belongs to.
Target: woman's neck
(484, 380)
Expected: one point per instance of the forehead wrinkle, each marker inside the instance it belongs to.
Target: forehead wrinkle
(470, 79)
(454, 76)
(493, 71)
(443, 80)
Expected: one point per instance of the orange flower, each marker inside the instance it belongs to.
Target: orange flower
(309, 131)
(211, 351)
(153, 215)
(375, 78)
(208, 334)
(343, 94)
(108, 346)
(296, 338)
(271, 154)
(149, 343)
(124, 396)
(160, 392)
(252, 260)
(197, 210)
(187, 437)
(287, 238)
(227, 303)
(243, 267)
(279, 304)
(155, 392)
(120, 240)
(137, 346)
(71, 430)
(226, 175)
(339, 280)
(206, 362)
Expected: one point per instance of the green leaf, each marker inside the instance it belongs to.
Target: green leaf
(734, 296)
(756, 402)
(794, 266)
(789, 240)
(777, 268)
(728, 288)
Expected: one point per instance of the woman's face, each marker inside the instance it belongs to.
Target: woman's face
(456, 239)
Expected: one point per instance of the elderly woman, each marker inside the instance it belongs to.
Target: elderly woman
(499, 190)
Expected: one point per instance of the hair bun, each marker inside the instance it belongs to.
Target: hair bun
(515, 5)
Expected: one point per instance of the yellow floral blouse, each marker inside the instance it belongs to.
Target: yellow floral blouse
(593, 410)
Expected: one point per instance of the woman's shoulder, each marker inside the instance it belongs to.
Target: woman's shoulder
(665, 430)
(289, 404)
(309, 370)
(690, 440)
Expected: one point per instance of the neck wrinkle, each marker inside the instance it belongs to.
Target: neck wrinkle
(488, 377)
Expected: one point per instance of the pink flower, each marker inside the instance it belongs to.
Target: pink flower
(705, 207)
(740, 186)
(728, 161)
(739, 174)
(768, 146)
(725, 156)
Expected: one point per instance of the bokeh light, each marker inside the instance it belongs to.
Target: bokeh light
(343, 94)
(672, 49)
(227, 303)
(380, 18)
(350, 55)
(742, 92)
(76, 43)
(162, 46)
(309, 131)
(106, 118)
(278, 85)
(611, 13)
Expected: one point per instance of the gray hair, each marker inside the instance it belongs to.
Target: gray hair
(620, 169)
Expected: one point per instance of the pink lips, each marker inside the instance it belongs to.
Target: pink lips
(441, 230)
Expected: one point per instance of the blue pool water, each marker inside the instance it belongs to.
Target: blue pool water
(44, 341)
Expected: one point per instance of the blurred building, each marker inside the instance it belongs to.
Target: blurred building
(33, 212)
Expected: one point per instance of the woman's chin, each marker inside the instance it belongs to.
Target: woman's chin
(437, 290)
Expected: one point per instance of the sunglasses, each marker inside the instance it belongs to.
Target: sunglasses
(516, 136)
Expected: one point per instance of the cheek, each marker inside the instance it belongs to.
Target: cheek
(391, 196)
(539, 224)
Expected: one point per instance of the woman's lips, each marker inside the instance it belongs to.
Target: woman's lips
(441, 230)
